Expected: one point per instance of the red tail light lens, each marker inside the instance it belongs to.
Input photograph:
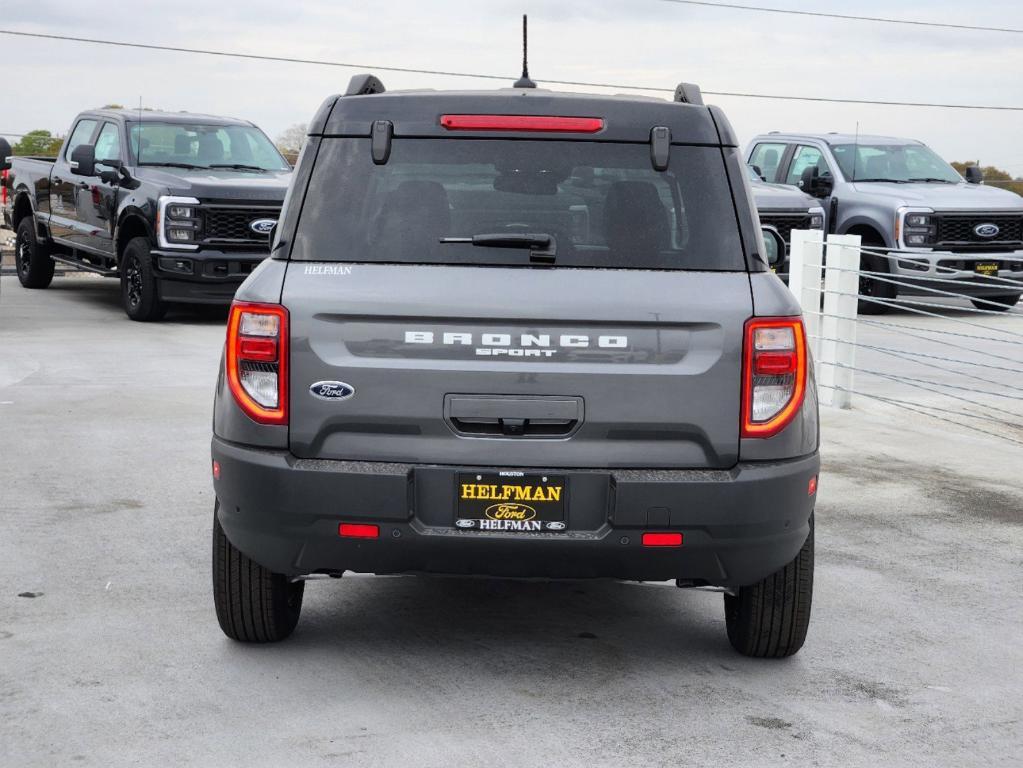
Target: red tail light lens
(358, 531)
(544, 123)
(665, 539)
(774, 374)
(3, 187)
(257, 360)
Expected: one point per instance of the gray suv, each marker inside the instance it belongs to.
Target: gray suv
(922, 222)
(517, 333)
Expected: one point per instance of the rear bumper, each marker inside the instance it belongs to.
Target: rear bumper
(738, 525)
(203, 277)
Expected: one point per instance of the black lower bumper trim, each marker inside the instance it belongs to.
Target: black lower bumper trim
(739, 525)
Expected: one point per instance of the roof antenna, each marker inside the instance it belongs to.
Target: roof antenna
(524, 81)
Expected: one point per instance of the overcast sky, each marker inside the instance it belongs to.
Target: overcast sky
(635, 42)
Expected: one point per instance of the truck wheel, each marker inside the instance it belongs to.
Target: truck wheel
(139, 291)
(873, 288)
(769, 619)
(1003, 303)
(254, 605)
(32, 258)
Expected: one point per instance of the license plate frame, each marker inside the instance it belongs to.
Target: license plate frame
(534, 502)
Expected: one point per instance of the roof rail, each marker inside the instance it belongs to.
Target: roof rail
(689, 93)
(364, 85)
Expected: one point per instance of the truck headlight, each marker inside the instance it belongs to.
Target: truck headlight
(919, 229)
(178, 223)
(816, 218)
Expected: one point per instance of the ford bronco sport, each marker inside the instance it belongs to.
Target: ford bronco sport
(517, 333)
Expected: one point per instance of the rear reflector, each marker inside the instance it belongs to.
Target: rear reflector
(543, 123)
(811, 488)
(216, 470)
(358, 531)
(662, 539)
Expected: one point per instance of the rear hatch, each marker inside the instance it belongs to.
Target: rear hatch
(596, 322)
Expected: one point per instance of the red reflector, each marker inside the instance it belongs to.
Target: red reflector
(774, 363)
(811, 488)
(662, 539)
(547, 123)
(216, 470)
(264, 350)
(358, 530)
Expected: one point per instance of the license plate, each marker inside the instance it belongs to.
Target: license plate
(511, 501)
(986, 267)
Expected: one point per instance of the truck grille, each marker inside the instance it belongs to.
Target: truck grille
(230, 226)
(958, 230)
(785, 223)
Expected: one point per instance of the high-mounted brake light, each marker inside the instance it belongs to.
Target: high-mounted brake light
(541, 123)
(774, 372)
(257, 360)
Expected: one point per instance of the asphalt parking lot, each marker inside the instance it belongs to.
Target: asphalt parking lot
(110, 653)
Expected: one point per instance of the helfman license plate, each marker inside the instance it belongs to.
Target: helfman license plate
(986, 267)
(510, 501)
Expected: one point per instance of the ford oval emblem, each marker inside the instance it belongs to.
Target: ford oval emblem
(555, 525)
(986, 230)
(332, 390)
(262, 226)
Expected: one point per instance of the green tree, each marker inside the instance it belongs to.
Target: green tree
(996, 177)
(38, 142)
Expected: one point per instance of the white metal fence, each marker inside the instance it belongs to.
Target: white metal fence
(950, 357)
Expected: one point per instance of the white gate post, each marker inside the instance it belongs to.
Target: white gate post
(838, 325)
(806, 255)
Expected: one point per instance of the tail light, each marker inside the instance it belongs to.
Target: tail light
(257, 360)
(3, 187)
(773, 375)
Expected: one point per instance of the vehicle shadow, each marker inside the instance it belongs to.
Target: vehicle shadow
(533, 630)
(94, 291)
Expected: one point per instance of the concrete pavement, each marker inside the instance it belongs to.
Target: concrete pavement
(913, 656)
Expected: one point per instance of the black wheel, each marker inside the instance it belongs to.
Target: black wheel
(1001, 303)
(139, 291)
(254, 605)
(872, 287)
(769, 619)
(32, 258)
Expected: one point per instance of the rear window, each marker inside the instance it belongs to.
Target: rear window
(603, 203)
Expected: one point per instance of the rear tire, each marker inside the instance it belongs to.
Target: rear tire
(32, 258)
(769, 619)
(872, 287)
(1003, 303)
(254, 605)
(139, 290)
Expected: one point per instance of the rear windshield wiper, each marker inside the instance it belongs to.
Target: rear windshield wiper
(542, 247)
(237, 166)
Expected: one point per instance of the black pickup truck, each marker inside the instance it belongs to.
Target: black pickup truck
(181, 207)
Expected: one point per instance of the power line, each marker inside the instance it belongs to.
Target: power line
(506, 78)
(844, 17)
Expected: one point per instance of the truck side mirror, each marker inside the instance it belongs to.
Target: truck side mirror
(83, 160)
(973, 174)
(5, 153)
(812, 183)
(773, 246)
